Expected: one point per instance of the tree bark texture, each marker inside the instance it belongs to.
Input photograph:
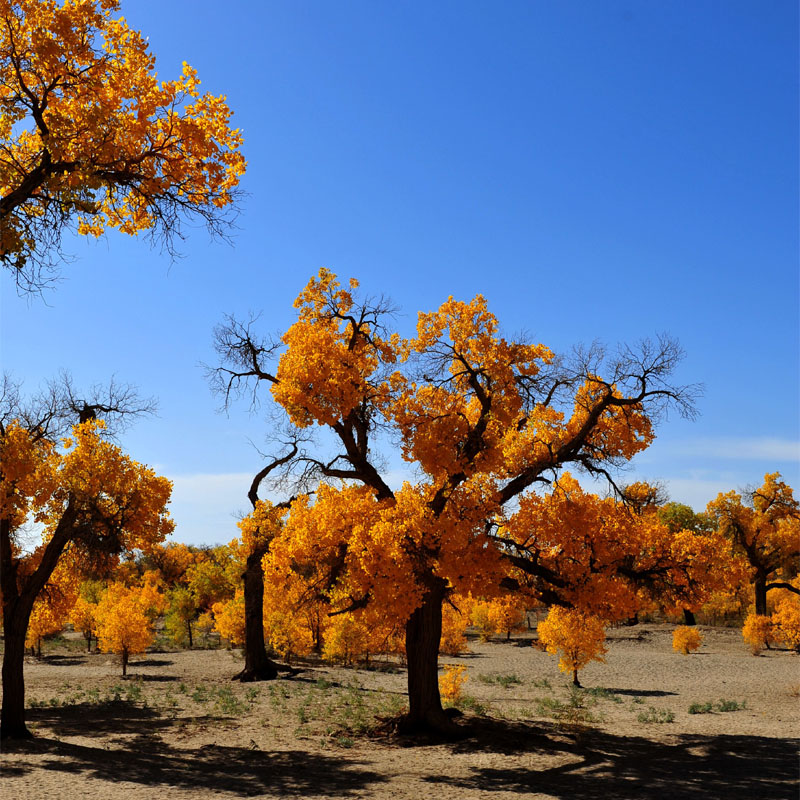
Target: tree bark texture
(17, 606)
(423, 635)
(760, 592)
(258, 666)
(12, 717)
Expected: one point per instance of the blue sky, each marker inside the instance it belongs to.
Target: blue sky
(597, 170)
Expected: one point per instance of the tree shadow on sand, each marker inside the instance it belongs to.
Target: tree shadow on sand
(61, 661)
(97, 719)
(234, 770)
(600, 764)
(138, 755)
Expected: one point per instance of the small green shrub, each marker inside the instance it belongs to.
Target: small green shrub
(500, 680)
(656, 715)
(701, 708)
(730, 705)
(469, 703)
(228, 703)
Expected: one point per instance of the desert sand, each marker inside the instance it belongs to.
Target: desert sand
(178, 727)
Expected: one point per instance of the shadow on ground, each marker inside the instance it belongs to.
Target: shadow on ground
(138, 755)
(548, 760)
(600, 764)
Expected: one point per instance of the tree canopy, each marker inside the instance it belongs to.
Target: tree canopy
(91, 501)
(92, 139)
(483, 421)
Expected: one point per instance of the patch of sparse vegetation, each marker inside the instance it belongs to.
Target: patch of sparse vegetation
(227, 702)
(656, 715)
(603, 694)
(469, 703)
(730, 705)
(500, 680)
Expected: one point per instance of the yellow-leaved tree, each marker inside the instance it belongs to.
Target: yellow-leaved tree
(92, 502)
(93, 139)
(575, 637)
(482, 421)
(764, 530)
(123, 624)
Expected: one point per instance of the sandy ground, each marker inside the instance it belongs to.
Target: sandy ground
(179, 725)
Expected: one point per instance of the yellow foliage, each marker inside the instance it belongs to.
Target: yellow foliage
(451, 682)
(479, 618)
(454, 624)
(583, 539)
(89, 129)
(346, 640)
(229, 619)
(757, 632)
(786, 622)
(83, 619)
(123, 626)
(764, 533)
(574, 636)
(686, 639)
(44, 620)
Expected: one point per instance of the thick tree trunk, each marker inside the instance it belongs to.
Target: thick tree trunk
(17, 606)
(575, 681)
(12, 720)
(760, 592)
(258, 666)
(423, 634)
(688, 617)
(124, 661)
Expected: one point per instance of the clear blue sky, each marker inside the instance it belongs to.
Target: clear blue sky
(598, 170)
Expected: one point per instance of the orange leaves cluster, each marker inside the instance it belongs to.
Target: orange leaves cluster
(600, 551)
(229, 618)
(501, 615)
(686, 639)
(451, 682)
(765, 533)
(86, 121)
(757, 632)
(261, 526)
(117, 492)
(331, 357)
(124, 625)
(575, 637)
(29, 475)
(786, 622)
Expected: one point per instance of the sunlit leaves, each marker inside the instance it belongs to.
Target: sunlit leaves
(92, 138)
(575, 637)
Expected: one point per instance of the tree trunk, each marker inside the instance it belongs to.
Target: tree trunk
(189, 629)
(688, 617)
(12, 721)
(575, 681)
(760, 592)
(124, 661)
(89, 643)
(17, 606)
(258, 666)
(423, 634)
